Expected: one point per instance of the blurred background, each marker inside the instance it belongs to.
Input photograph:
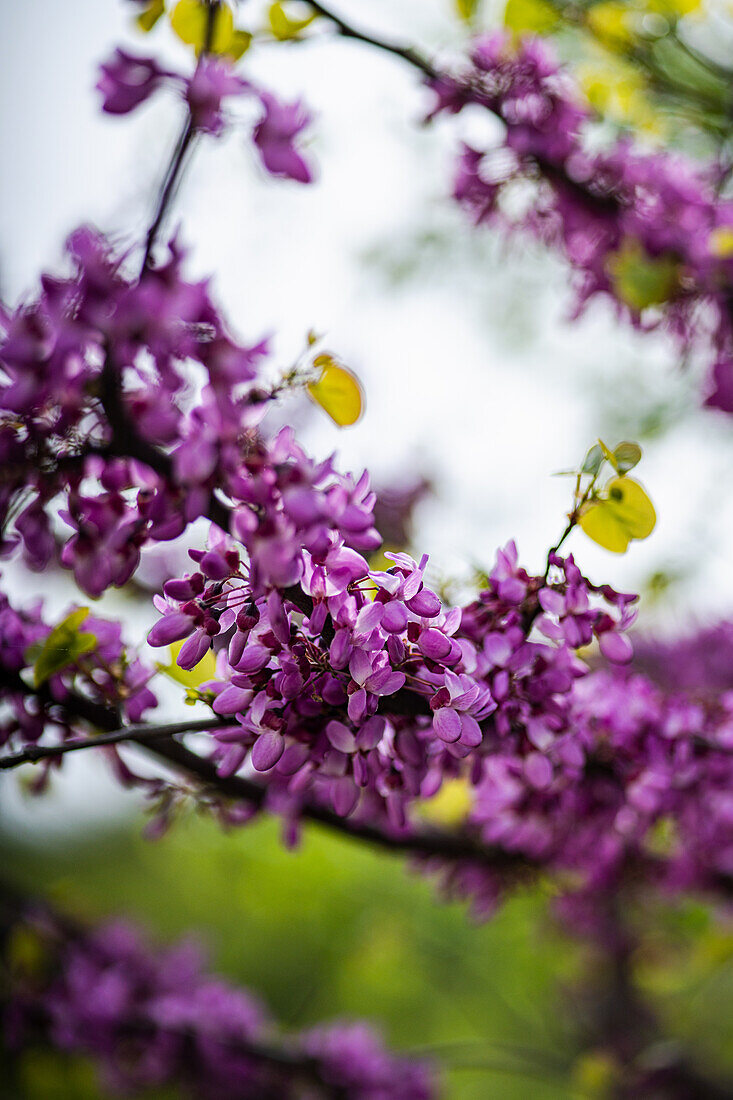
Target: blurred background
(477, 381)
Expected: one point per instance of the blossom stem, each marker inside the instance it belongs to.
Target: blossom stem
(183, 147)
(572, 521)
(173, 174)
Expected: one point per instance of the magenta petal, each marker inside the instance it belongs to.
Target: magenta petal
(371, 733)
(447, 724)
(194, 649)
(470, 732)
(268, 749)
(394, 619)
(433, 644)
(340, 737)
(425, 603)
(538, 770)
(233, 700)
(253, 659)
(344, 795)
(393, 682)
(616, 647)
(357, 705)
(171, 628)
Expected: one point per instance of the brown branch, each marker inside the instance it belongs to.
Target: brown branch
(141, 734)
(183, 147)
(427, 842)
(424, 842)
(406, 53)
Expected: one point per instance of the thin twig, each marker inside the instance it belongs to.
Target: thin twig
(180, 153)
(175, 168)
(407, 53)
(141, 734)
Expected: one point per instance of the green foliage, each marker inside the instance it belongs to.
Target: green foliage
(284, 26)
(150, 15)
(467, 9)
(189, 677)
(530, 17)
(619, 512)
(190, 19)
(63, 647)
(641, 280)
(337, 390)
(335, 930)
(626, 456)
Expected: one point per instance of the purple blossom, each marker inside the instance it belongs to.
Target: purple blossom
(212, 81)
(275, 134)
(154, 1019)
(127, 80)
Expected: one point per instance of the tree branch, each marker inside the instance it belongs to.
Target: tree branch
(425, 842)
(141, 734)
(183, 147)
(407, 53)
(435, 843)
(172, 176)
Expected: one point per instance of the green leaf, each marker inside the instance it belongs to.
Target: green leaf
(608, 455)
(639, 279)
(63, 647)
(627, 456)
(530, 17)
(283, 26)
(337, 391)
(720, 242)
(150, 15)
(190, 678)
(239, 43)
(190, 19)
(623, 513)
(467, 9)
(593, 460)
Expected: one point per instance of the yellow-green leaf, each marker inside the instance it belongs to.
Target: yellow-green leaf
(596, 1073)
(623, 513)
(451, 805)
(530, 17)
(608, 455)
(641, 280)
(592, 461)
(150, 15)
(283, 26)
(25, 952)
(189, 21)
(611, 22)
(63, 646)
(190, 678)
(239, 43)
(615, 88)
(337, 391)
(720, 242)
(627, 456)
(467, 9)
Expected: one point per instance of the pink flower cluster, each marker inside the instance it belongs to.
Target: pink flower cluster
(601, 206)
(108, 677)
(127, 81)
(98, 409)
(152, 1019)
(644, 794)
(378, 692)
